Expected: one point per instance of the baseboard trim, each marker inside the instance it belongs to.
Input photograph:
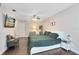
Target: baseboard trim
(1, 53)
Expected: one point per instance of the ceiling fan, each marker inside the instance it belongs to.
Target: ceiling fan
(34, 16)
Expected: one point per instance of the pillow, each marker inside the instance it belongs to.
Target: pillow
(53, 35)
(45, 33)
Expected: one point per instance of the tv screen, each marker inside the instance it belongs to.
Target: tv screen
(9, 22)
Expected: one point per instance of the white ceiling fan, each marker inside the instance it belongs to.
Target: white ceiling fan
(35, 18)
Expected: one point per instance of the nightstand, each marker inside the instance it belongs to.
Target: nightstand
(66, 44)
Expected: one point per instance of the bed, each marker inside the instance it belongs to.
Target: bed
(39, 43)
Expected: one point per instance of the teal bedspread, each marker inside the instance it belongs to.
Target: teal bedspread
(42, 40)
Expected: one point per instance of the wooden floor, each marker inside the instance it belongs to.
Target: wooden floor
(57, 51)
(22, 50)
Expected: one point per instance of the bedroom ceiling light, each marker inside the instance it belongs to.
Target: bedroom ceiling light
(35, 18)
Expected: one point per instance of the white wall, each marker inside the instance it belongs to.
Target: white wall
(23, 28)
(47, 25)
(20, 29)
(29, 26)
(3, 33)
(67, 21)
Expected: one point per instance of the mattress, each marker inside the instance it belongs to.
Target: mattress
(41, 49)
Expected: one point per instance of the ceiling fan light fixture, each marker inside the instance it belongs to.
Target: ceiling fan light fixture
(34, 19)
(38, 17)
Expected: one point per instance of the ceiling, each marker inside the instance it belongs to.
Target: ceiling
(25, 11)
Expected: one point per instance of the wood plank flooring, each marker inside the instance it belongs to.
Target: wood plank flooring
(57, 51)
(22, 50)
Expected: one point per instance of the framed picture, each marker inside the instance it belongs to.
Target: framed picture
(9, 22)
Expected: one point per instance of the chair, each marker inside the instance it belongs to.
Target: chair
(11, 41)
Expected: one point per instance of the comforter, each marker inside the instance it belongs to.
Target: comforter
(42, 40)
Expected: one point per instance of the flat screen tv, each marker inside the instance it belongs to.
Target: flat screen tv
(9, 22)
